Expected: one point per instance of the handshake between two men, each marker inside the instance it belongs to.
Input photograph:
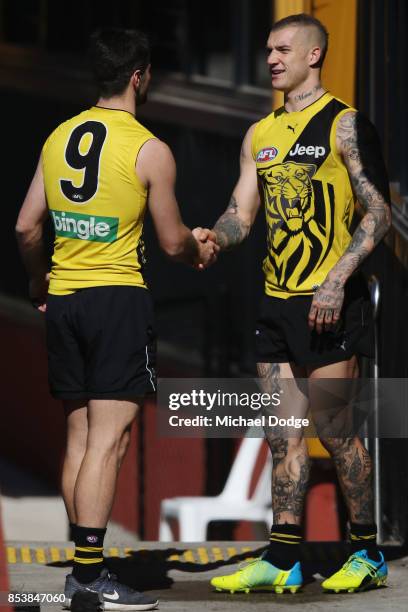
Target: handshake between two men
(208, 249)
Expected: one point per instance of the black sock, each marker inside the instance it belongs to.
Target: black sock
(88, 559)
(283, 549)
(364, 537)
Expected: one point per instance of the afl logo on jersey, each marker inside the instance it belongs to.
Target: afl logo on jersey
(267, 154)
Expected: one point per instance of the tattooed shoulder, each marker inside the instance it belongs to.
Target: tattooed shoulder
(347, 136)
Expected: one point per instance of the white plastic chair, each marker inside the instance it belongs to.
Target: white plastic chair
(233, 503)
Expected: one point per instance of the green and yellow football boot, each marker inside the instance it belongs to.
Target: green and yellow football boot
(260, 575)
(358, 574)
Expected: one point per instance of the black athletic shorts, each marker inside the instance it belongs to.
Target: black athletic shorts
(283, 335)
(101, 343)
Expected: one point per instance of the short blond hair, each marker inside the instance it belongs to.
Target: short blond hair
(304, 20)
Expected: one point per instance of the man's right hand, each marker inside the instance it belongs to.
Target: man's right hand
(203, 234)
(207, 252)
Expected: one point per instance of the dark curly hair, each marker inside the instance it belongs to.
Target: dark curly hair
(115, 54)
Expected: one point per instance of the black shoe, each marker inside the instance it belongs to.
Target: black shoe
(112, 594)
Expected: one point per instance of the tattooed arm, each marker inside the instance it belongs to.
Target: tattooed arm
(234, 225)
(358, 143)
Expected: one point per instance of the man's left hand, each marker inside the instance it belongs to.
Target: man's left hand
(38, 289)
(326, 306)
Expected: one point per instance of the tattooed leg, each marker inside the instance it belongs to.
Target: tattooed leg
(290, 470)
(290, 475)
(351, 459)
(354, 471)
(270, 375)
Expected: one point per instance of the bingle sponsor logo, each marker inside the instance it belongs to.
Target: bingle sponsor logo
(311, 151)
(85, 227)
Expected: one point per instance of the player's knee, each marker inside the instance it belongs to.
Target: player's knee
(109, 442)
(298, 462)
(297, 468)
(282, 449)
(106, 445)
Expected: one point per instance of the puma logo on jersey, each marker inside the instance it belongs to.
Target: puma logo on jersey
(312, 151)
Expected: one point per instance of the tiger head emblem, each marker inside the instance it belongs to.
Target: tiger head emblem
(289, 195)
(296, 235)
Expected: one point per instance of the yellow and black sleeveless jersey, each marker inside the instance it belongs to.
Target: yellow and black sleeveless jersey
(96, 201)
(307, 194)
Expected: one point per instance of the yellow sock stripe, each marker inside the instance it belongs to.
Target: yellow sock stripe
(88, 561)
(367, 537)
(99, 549)
(286, 535)
(283, 541)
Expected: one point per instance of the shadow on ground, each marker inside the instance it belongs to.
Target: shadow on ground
(148, 569)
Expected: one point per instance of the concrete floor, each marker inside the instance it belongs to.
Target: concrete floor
(184, 586)
(178, 578)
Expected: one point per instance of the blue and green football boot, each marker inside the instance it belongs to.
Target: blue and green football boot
(260, 575)
(358, 574)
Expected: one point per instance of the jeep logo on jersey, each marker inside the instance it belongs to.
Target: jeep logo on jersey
(267, 154)
(311, 151)
(85, 227)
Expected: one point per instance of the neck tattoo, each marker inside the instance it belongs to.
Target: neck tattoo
(306, 94)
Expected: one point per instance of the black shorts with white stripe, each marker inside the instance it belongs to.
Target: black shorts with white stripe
(101, 343)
